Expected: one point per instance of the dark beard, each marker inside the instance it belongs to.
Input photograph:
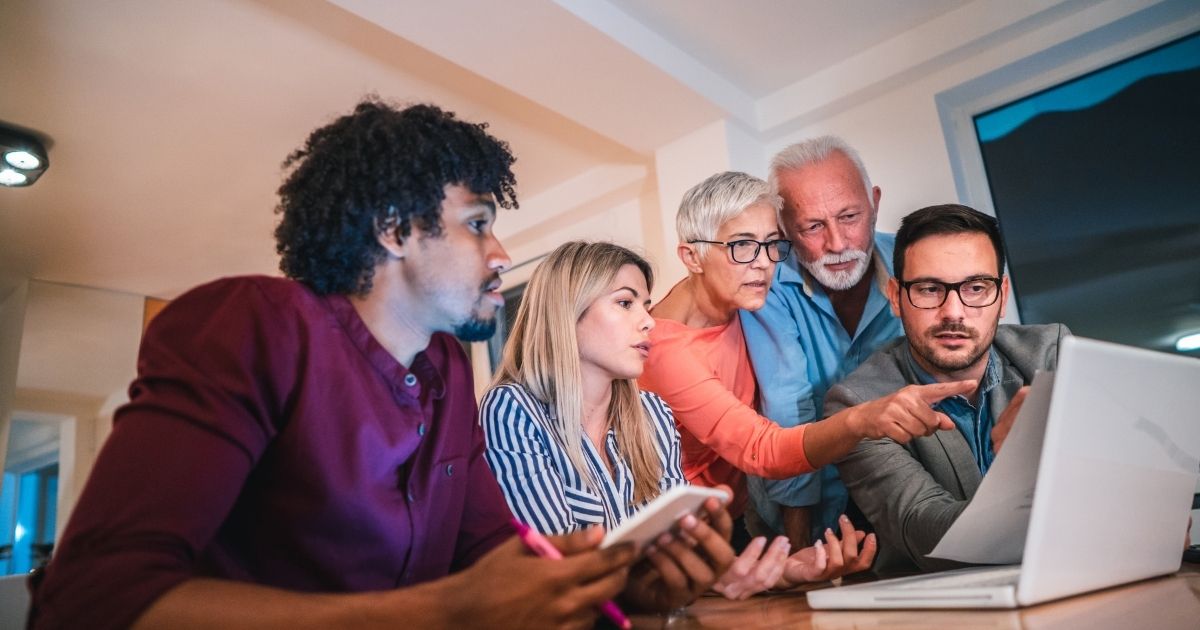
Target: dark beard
(927, 352)
(476, 329)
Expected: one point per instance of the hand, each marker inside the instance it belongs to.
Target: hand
(754, 571)
(679, 567)
(1005, 423)
(510, 587)
(906, 414)
(833, 559)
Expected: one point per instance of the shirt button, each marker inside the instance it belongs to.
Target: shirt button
(421, 429)
(410, 497)
(410, 380)
(449, 470)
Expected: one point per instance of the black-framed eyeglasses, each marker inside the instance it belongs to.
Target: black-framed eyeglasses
(975, 292)
(745, 251)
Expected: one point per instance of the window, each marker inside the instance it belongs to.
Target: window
(27, 516)
(1093, 182)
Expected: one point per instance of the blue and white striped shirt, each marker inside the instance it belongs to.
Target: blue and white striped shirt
(539, 481)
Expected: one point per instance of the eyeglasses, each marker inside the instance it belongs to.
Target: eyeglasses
(976, 292)
(745, 251)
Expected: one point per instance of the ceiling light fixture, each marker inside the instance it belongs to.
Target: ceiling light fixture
(24, 157)
(10, 177)
(1187, 343)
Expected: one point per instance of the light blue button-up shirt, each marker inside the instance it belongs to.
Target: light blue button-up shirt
(975, 423)
(799, 350)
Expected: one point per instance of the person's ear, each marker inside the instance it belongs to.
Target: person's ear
(893, 293)
(690, 258)
(392, 242)
(1003, 294)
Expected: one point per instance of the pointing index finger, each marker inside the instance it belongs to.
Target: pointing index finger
(935, 392)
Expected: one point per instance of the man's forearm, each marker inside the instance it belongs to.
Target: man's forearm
(797, 525)
(210, 603)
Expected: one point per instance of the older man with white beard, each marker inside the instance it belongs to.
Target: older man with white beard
(826, 312)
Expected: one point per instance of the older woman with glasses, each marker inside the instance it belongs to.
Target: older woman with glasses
(730, 241)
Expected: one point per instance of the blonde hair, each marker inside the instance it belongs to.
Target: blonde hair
(542, 354)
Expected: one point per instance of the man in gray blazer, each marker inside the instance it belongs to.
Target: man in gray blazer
(949, 292)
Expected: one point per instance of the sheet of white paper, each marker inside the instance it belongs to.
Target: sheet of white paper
(991, 530)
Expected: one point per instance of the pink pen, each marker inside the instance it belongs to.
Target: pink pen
(538, 544)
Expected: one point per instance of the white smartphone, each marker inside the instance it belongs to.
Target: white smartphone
(661, 515)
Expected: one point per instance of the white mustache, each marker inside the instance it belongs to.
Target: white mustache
(844, 257)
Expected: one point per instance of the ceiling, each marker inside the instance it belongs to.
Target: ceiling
(764, 47)
(169, 120)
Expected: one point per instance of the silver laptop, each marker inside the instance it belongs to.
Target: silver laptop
(1119, 462)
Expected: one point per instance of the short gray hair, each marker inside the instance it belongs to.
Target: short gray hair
(721, 197)
(815, 150)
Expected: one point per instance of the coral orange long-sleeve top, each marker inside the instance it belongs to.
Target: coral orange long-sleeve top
(705, 376)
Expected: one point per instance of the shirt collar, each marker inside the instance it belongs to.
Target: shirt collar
(425, 365)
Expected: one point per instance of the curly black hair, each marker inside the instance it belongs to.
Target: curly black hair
(377, 169)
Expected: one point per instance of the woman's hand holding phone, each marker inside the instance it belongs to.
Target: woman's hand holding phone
(683, 563)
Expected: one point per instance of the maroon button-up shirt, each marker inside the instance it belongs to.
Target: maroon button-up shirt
(270, 438)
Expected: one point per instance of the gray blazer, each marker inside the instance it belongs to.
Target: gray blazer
(912, 493)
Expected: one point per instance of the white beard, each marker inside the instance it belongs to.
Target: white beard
(839, 280)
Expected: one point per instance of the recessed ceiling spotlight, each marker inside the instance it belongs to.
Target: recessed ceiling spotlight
(24, 157)
(9, 177)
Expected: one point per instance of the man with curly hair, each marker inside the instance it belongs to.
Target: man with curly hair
(304, 451)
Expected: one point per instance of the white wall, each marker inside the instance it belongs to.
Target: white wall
(619, 223)
(13, 295)
(680, 165)
(79, 340)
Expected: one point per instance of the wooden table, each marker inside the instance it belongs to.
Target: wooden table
(1159, 604)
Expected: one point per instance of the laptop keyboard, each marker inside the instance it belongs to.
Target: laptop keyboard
(1000, 576)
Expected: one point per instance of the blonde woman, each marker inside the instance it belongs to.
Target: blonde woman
(571, 439)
